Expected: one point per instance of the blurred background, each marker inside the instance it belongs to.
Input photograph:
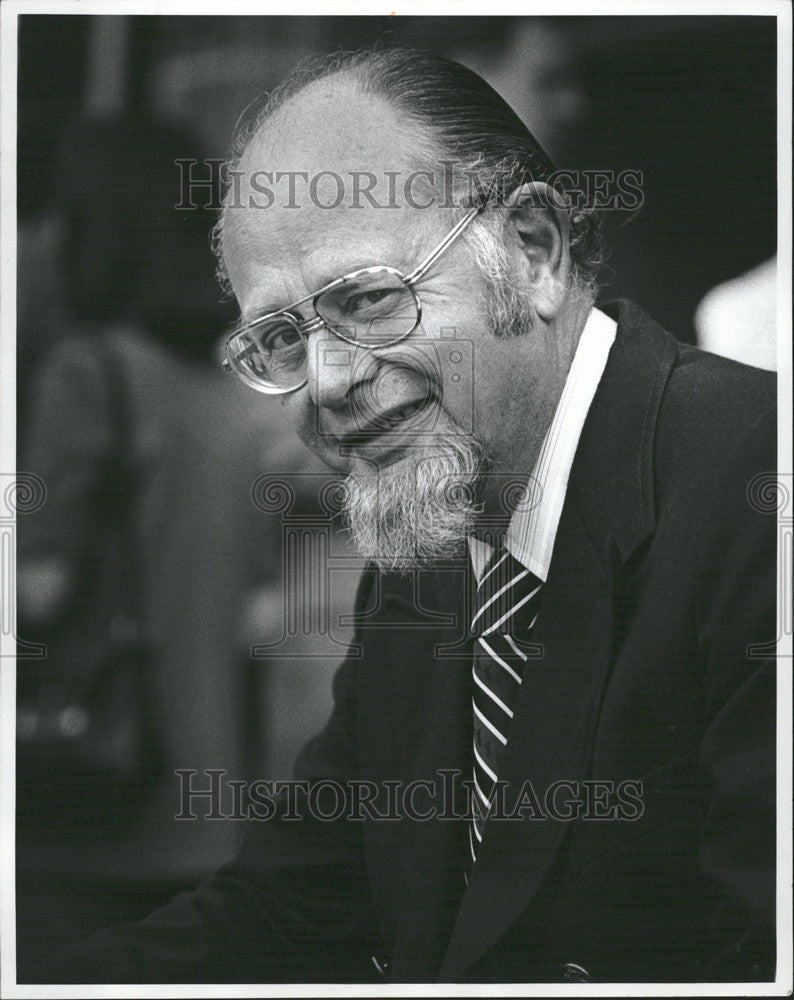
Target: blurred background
(172, 558)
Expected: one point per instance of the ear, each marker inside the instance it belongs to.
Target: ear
(540, 224)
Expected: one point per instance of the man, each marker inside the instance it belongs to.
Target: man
(561, 640)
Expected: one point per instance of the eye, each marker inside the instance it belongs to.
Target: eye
(280, 338)
(371, 298)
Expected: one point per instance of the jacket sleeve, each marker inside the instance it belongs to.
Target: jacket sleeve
(736, 632)
(292, 907)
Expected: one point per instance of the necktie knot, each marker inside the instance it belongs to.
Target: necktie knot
(507, 597)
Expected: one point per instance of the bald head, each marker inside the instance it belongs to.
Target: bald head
(385, 111)
(440, 117)
(334, 118)
(331, 148)
(322, 181)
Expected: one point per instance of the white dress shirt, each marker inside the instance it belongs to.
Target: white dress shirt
(533, 526)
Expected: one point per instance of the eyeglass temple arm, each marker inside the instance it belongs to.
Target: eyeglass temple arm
(433, 256)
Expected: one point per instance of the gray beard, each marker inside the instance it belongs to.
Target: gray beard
(414, 513)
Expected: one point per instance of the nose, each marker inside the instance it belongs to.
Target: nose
(335, 368)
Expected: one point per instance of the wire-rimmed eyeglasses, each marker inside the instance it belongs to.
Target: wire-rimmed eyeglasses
(371, 307)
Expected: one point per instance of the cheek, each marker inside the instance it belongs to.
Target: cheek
(300, 412)
(457, 333)
(493, 388)
(471, 382)
(459, 312)
(302, 416)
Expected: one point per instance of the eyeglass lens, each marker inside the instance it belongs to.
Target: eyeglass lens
(374, 308)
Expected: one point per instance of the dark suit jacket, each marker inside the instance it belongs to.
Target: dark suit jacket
(656, 628)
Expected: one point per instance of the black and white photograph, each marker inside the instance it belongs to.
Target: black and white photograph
(397, 499)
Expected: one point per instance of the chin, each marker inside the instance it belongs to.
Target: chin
(418, 507)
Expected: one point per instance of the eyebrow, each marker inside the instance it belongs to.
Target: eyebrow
(252, 315)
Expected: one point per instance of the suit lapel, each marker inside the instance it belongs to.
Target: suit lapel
(434, 850)
(549, 742)
(608, 512)
(430, 850)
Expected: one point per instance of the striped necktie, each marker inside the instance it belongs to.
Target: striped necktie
(506, 607)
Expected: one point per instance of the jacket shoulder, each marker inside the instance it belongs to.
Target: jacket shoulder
(715, 414)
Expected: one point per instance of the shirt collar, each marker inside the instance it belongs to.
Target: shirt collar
(533, 526)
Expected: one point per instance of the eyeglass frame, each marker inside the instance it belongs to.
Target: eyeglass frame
(307, 326)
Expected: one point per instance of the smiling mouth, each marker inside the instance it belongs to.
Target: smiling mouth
(397, 417)
(386, 423)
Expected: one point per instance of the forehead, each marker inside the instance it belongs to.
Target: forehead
(300, 213)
